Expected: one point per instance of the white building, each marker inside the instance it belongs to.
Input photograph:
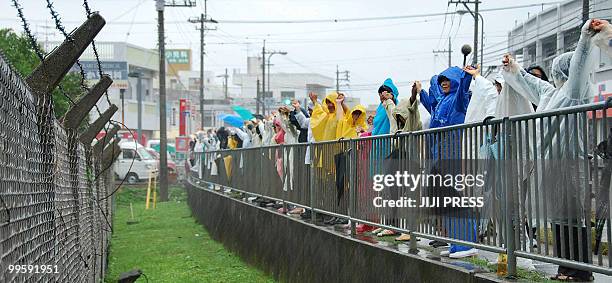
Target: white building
(280, 87)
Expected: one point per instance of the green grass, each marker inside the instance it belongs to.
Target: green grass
(168, 245)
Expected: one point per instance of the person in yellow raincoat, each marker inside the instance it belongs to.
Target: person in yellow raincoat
(323, 120)
(349, 126)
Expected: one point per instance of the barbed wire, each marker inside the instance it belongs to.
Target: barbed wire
(59, 26)
(95, 50)
(26, 29)
(34, 44)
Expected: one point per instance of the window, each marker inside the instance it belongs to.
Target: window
(144, 154)
(194, 83)
(129, 154)
(267, 94)
(287, 95)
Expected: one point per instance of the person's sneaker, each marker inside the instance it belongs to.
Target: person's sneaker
(377, 230)
(462, 254)
(306, 215)
(386, 232)
(251, 199)
(362, 228)
(297, 210)
(403, 237)
(444, 253)
(345, 226)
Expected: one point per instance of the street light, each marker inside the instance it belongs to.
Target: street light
(463, 12)
(272, 53)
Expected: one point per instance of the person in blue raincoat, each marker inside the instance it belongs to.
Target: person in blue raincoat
(387, 90)
(381, 126)
(447, 102)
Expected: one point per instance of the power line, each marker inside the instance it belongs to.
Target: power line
(383, 18)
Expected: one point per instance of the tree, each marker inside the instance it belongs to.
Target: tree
(18, 51)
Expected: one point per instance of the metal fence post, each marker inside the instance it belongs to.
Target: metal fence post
(410, 156)
(313, 214)
(352, 209)
(507, 174)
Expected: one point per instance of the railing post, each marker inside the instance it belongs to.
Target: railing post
(410, 156)
(352, 209)
(313, 214)
(507, 174)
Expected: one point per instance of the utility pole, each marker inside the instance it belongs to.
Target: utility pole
(585, 10)
(225, 78)
(263, 72)
(225, 86)
(475, 57)
(202, 20)
(163, 135)
(476, 15)
(449, 51)
(257, 97)
(338, 79)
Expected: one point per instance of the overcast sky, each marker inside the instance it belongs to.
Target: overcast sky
(370, 50)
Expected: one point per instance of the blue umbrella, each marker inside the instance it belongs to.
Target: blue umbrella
(243, 112)
(233, 120)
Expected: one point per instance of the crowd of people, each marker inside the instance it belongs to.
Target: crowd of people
(455, 96)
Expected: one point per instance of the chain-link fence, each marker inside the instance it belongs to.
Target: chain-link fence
(54, 214)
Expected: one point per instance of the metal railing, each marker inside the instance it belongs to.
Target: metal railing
(545, 183)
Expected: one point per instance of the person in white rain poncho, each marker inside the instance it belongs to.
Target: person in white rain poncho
(484, 97)
(561, 185)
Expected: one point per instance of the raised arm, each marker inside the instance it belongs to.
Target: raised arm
(603, 39)
(340, 103)
(428, 100)
(533, 88)
(578, 79)
(302, 120)
(389, 107)
(463, 94)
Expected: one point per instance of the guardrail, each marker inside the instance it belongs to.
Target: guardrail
(544, 188)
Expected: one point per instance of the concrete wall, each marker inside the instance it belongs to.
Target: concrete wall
(294, 251)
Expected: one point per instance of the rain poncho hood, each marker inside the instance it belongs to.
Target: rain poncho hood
(560, 68)
(381, 121)
(348, 128)
(322, 122)
(448, 109)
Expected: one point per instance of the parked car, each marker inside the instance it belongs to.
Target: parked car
(172, 173)
(143, 163)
